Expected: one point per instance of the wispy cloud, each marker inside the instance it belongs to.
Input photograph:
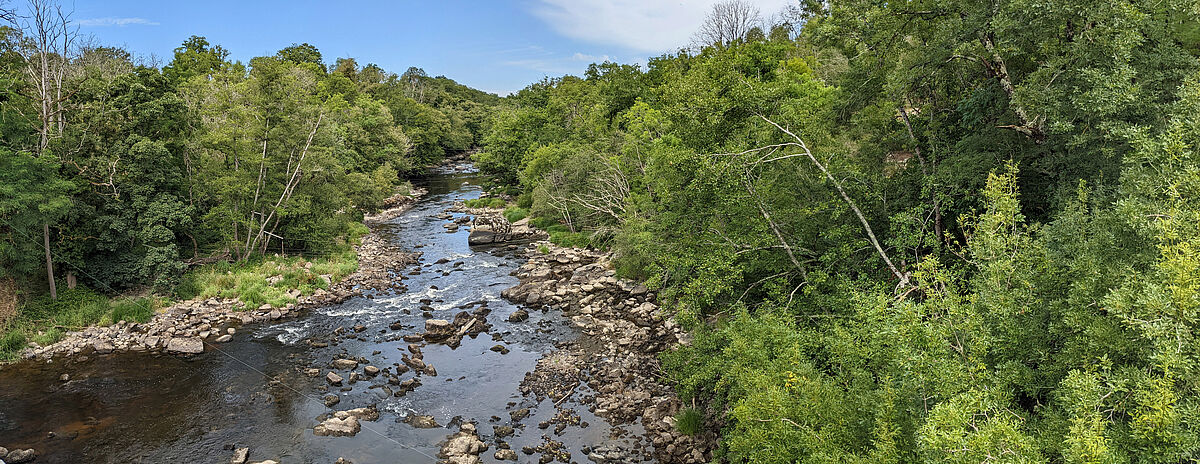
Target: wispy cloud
(551, 63)
(648, 26)
(119, 22)
(591, 58)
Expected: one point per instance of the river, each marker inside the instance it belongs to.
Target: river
(252, 392)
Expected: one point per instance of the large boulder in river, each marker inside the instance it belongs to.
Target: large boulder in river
(438, 329)
(481, 237)
(190, 345)
(20, 456)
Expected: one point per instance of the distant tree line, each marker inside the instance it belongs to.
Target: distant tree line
(121, 174)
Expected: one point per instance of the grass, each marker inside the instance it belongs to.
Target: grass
(45, 321)
(250, 281)
(689, 421)
(485, 203)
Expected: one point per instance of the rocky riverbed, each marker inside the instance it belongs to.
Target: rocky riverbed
(437, 351)
(613, 366)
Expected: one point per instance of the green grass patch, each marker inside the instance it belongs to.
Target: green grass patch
(267, 280)
(514, 214)
(485, 203)
(45, 321)
(689, 421)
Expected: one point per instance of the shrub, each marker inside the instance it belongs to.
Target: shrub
(514, 214)
(12, 341)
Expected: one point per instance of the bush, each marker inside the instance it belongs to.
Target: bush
(514, 214)
(12, 341)
(525, 200)
(495, 203)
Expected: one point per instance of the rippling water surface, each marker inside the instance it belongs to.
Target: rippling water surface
(249, 392)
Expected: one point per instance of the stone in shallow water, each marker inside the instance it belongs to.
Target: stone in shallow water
(344, 364)
(344, 427)
(240, 456)
(421, 422)
(191, 345)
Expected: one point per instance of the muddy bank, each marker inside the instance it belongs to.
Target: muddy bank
(613, 367)
(186, 327)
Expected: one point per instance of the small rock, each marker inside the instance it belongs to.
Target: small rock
(344, 364)
(506, 455)
(240, 456)
(224, 338)
(333, 378)
(421, 422)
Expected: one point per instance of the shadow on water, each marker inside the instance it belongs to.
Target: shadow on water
(251, 391)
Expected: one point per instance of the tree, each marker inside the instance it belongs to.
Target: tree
(727, 21)
(195, 57)
(302, 53)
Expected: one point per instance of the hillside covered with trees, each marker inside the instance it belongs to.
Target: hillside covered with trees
(121, 175)
(900, 232)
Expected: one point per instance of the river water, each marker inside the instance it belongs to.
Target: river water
(251, 392)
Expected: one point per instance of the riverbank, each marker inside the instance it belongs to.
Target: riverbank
(214, 317)
(613, 367)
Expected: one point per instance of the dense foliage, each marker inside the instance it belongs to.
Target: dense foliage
(135, 173)
(903, 232)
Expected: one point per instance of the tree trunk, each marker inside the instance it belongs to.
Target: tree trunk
(49, 261)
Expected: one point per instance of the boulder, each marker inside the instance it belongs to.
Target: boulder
(344, 364)
(439, 326)
(347, 426)
(518, 315)
(102, 346)
(20, 456)
(481, 237)
(190, 345)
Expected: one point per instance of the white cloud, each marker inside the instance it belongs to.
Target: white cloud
(591, 58)
(120, 22)
(652, 26)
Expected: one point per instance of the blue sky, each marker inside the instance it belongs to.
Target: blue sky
(497, 46)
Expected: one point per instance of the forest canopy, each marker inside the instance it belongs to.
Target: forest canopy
(124, 174)
(900, 232)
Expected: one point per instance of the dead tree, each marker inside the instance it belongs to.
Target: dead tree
(46, 44)
(727, 21)
(804, 152)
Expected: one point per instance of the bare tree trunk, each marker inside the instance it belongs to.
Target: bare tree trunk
(1031, 126)
(850, 202)
(49, 261)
